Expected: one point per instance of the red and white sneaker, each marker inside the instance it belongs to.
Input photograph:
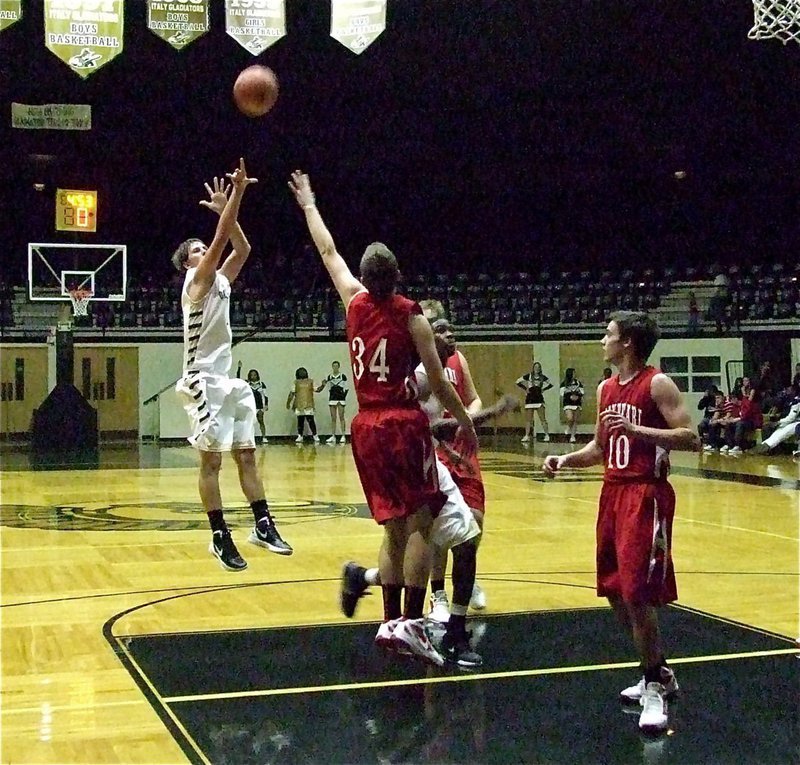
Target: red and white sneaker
(383, 637)
(409, 636)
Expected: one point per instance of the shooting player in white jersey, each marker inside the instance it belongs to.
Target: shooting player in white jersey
(221, 410)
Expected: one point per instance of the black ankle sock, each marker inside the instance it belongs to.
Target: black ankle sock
(391, 601)
(414, 602)
(216, 521)
(437, 584)
(457, 624)
(260, 509)
(653, 674)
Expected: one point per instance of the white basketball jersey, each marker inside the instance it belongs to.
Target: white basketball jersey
(207, 328)
(427, 400)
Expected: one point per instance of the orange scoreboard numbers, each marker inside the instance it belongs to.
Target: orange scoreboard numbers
(76, 210)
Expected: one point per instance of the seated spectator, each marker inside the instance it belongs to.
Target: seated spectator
(776, 407)
(749, 420)
(787, 427)
(728, 415)
(710, 404)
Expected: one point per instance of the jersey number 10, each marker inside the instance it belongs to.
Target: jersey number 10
(619, 452)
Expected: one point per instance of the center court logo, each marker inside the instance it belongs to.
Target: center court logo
(164, 516)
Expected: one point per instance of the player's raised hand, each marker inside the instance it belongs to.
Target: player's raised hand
(217, 197)
(239, 177)
(300, 186)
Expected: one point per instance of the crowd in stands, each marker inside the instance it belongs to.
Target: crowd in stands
(754, 415)
(545, 297)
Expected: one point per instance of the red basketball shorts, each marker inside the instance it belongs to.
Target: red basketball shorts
(634, 543)
(394, 455)
(467, 476)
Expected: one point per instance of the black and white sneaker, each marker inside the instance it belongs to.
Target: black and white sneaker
(456, 649)
(353, 588)
(264, 534)
(224, 550)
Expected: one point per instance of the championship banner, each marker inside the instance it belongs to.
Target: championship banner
(356, 24)
(84, 34)
(179, 23)
(51, 116)
(10, 11)
(255, 24)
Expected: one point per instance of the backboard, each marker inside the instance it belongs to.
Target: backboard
(55, 269)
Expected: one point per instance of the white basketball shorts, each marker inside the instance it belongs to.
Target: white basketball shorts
(455, 523)
(221, 410)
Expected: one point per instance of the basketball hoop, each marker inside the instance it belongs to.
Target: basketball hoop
(80, 301)
(776, 19)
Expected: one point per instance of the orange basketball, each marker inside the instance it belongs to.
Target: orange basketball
(255, 90)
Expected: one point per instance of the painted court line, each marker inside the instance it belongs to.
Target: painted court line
(466, 678)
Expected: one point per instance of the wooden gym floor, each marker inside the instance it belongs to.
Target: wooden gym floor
(124, 642)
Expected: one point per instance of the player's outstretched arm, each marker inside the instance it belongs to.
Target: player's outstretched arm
(668, 399)
(343, 280)
(207, 269)
(217, 199)
(445, 429)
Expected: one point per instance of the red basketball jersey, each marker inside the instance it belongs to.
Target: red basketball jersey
(382, 352)
(626, 457)
(454, 372)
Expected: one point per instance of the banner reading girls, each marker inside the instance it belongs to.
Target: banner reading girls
(255, 24)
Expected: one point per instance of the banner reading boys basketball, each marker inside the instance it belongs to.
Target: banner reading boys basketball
(178, 23)
(357, 23)
(84, 34)
(255, 24)
(10, 11)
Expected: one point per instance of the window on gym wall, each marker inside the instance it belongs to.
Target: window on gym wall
(706, 371)
(693, 374)
(677, 367)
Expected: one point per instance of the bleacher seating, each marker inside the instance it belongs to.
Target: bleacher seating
(537, 299)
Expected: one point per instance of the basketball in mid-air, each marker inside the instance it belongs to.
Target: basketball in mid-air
(255, 90)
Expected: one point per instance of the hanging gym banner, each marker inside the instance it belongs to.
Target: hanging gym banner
(356, 24)
(255, 24)
(178, 23)
(10, 11)
(84, 34)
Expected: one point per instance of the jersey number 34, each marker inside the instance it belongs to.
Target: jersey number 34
(377, 364)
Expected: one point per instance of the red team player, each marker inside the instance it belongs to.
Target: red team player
(641, 416)
(392, 445)
(465, 468)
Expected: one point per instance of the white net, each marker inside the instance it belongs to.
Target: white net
(776, 20)
(80, 301)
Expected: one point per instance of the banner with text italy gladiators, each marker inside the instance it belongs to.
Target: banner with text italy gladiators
(255, 24)
(179, 23)
(84, 34)
(356, 24)
(10, 11)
